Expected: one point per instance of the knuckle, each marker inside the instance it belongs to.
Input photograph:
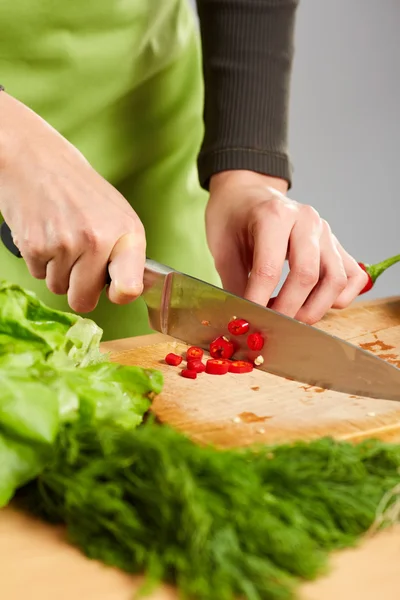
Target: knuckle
(276, 204)
(337, 281)
(314, 317)
(280, 207)
(327, 228)
(362, 277)
(140, 236)
(307, 276)
(138, 229)
(343, 301)
(33, 248)
(256, 215)
(311, 319)
(310, 316)
(267, 272)
(309, 215)
(65, 242)
(92, 238)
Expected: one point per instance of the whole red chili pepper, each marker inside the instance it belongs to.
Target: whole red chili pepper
(374, 271)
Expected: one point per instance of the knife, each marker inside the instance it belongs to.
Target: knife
(196, 313)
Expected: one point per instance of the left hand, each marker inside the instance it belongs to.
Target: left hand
(252, 228)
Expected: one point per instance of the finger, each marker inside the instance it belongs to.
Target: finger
(232, 270)
(304, 263)
(271, 238)
(86, 282)
(126, 268)
(36, 267)
(35, 254)
(356, 279)
(333, 280)
(58, 273)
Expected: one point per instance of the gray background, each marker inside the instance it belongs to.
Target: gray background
(345, 124)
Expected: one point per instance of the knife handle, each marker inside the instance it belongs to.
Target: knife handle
(152, 268)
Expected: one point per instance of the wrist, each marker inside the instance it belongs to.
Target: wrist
(247, 178)
(3, 128)
(8, 118)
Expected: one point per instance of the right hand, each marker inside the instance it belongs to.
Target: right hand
(69, 223)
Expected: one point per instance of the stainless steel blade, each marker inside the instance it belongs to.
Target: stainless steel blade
(196, 313)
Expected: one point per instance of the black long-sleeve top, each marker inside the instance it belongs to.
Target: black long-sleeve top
(247, 61)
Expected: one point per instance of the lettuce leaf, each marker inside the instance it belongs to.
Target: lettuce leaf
(52, 372)
(28, 325)
(29, 423)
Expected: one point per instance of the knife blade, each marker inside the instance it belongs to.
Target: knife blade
(197, 312)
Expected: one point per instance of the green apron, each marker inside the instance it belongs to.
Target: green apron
(121, 80)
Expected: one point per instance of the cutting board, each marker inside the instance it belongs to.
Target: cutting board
(233, 410)
(37, 563)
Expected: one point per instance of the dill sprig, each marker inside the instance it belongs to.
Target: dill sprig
(219, 524)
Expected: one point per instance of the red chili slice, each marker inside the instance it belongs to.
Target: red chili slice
(238, 327)
(221, 348)
(173, 359)
(194, 353)
(215, 366)
(196, 365)
(189, 374)
(240, 366)
(255, 341)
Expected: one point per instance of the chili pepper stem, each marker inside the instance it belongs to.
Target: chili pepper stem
(374, 271)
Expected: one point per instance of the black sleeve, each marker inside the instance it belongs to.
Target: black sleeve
(247, 61)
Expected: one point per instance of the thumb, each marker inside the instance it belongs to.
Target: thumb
(126, 268)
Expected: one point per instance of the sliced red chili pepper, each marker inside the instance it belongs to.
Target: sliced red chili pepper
(214, 366)
(196, 365)
(255, 341)
(194, 352)
(238, 327)
(173, 359)
(240, 366)
(221, 348)
(189, 374)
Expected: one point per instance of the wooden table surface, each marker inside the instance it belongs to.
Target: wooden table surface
(36, 563)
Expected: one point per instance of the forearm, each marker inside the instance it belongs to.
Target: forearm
(247, 64)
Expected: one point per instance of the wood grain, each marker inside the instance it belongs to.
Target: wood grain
(259, 407)
(37, 563)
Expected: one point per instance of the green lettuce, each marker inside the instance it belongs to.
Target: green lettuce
(29, 423)
(51, 372)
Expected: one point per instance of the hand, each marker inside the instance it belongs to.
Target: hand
(252, 227)
(67, 221)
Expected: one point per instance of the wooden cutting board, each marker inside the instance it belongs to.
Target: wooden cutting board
(37, 563)
(235, 410)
